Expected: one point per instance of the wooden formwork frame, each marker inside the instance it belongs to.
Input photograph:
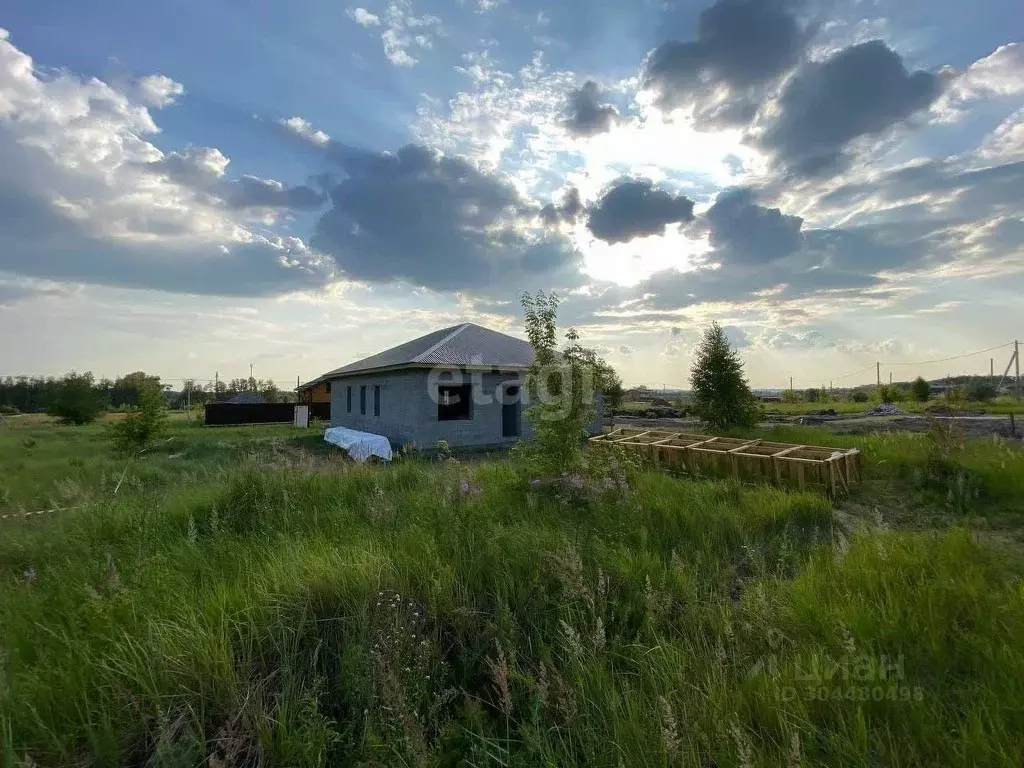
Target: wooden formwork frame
(834, 470)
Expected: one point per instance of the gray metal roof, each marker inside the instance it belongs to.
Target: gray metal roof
(466, 344)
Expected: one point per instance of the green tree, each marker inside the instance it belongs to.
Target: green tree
(561, 385)
(980, 391)
(127, 390)
(77, 400)
(920, 390)
(721, 396)
(140, 428)
(812, 395)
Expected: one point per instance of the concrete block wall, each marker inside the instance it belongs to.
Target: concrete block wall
(408, 408)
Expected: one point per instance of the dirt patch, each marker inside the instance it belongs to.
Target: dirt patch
(969, 426)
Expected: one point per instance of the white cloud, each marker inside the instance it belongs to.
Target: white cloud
(396, 49)
(1001, 73)
(513, 122)
(84, 195)
(304, 130)
(159, 90)
(998, 75)
(363, 17)
(1006, 143)
(404, 30)
(483, 121)
(797, 340)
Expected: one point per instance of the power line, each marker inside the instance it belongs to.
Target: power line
(955, 357)
(837, 378)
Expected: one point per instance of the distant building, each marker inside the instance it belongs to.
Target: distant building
(638, 395)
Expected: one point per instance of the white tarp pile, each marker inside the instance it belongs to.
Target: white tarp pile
(360, 445)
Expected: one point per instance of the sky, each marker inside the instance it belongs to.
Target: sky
(208, 185)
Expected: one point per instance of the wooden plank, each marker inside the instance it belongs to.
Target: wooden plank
(739, 449)
(834, 470)
(631, 437)
(702, 442)
(788, 450)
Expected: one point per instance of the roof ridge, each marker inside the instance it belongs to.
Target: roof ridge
(442, 342)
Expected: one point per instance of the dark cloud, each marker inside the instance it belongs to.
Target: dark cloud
(203, 169)
(977, 192)
(798, 277)
(632, 208)
(862, 90)
(568, 210)
(929, 213)
(38, 240)
(741, 46)
(587, 115)
(744, 232)
(254, 192)
(436, 221)
(13, 292)
(196, 167)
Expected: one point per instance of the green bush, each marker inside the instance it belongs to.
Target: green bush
(141, 427)
(889, 393)
(78, 401)
(860, 396)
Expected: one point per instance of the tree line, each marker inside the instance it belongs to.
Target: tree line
(43, 394)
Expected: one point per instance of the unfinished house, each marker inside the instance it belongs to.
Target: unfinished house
(463, 384)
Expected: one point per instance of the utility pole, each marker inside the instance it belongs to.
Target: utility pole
(878, 373)
(1016, 367)
(216, 385)
(890, 378)
(790, 384)
(991, 367)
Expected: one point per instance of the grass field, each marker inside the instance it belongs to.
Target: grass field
(248, 597)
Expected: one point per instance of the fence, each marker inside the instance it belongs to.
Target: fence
(223, 414)
(834, 470)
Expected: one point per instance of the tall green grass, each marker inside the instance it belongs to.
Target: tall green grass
(451, 614)
(923, 478)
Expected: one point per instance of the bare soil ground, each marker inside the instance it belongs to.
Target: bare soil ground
(970, 426)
